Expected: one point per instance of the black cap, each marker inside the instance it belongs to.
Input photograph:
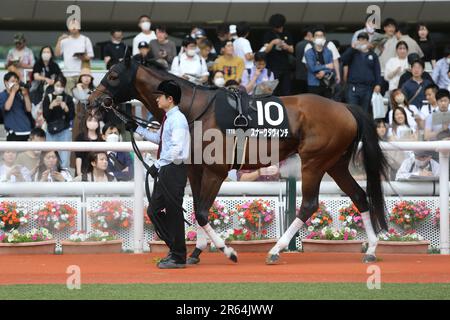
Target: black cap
(363, 35)
(143, 44)
(423, 153)
(170, 88)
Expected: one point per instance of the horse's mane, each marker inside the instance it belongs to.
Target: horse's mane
(155, 66)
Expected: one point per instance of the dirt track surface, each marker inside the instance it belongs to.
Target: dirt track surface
(214, 268)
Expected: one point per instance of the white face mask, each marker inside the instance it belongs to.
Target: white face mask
(145, 26)
(58, 90)
(219, 82)
(319, 41)
(112, 138)
(46, 56)
(190, 52)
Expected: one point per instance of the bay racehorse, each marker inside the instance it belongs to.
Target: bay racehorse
(325, 134)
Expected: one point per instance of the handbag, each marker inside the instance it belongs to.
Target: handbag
(378, 109)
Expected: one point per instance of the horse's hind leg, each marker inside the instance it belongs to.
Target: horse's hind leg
(311, 177)
(347, 183)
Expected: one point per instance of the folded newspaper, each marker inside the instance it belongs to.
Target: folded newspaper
(265, 88)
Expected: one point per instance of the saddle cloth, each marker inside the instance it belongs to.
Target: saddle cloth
(266, 115)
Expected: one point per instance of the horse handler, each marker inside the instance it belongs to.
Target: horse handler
(169, 173)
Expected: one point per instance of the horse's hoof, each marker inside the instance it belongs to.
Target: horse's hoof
(369, 258)
(192, 260)
(272, 258)
(231, 254)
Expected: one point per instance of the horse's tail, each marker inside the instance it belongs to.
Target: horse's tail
(375, 164)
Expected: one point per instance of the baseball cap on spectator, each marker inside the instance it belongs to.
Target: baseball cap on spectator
(363, 35)
(19, 37)
(200, 33)
(143, 44)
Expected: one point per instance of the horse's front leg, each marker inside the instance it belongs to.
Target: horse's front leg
(210, 186)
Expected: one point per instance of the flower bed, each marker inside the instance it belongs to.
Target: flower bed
(409, 242)
(330, 239)
(94, 242)
(319, 219)
(111, 215)
(55, 216)
(37, 241)
(408, 214)
(11, 216)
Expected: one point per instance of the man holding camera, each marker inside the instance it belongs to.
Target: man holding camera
(364, 72)
(14, 104)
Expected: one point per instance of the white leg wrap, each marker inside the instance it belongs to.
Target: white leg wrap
(218, 241)
(283, 242)
(202, 242)
(373, 240)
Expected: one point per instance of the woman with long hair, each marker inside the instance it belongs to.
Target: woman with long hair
(45, 71)
(90, 133)
(97, 168)
(401, 130)
(50, 168)
(427, 45)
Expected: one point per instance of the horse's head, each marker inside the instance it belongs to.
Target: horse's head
(117, 85)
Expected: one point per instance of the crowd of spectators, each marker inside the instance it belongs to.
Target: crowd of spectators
(393, 64)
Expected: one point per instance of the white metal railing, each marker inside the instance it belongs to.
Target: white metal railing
(443, 147)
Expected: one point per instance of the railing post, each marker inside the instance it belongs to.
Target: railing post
(443, 196)
(138, 208)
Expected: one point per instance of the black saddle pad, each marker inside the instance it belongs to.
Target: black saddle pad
(267, 116)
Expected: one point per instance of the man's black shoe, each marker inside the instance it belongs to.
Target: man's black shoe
(166, 258)
(171, 264)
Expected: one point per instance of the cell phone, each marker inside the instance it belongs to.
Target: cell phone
(59, 98)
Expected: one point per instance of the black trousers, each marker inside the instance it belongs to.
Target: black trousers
(15, 137)
(168, 193)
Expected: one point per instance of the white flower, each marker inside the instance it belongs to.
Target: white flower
(53, 210)
(407, 216)
(316, 221)
(242, 221)
(310, 228)
(216, 222)
(349, 219)
(23, 220)
(2, 224)
(336, 234)
(116, 215)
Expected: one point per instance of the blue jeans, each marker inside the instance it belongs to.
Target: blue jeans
(65, 135)
(360, 94)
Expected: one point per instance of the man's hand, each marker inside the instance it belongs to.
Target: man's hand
(153, 171)
(320, 74)
(131, 126)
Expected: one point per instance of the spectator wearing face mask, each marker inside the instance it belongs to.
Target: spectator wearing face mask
(50, 168)
(30, 159)
(120, 164)
(258, 74)
(114, 50)
(10, 171)
(218, 79)
(320, 66)
(146, 35)
(189, 64)
(90, 133)
(421, 165)
(45, 72)
(77, 52)
(278, 45)
(162, 47)
(231, 65)
(59, 111)
(20, 57)
(441, 73)
(364, 74)
(14, 104)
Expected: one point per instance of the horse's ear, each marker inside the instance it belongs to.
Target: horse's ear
(127, 56)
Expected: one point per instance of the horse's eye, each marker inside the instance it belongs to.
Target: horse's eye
(112, 76)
